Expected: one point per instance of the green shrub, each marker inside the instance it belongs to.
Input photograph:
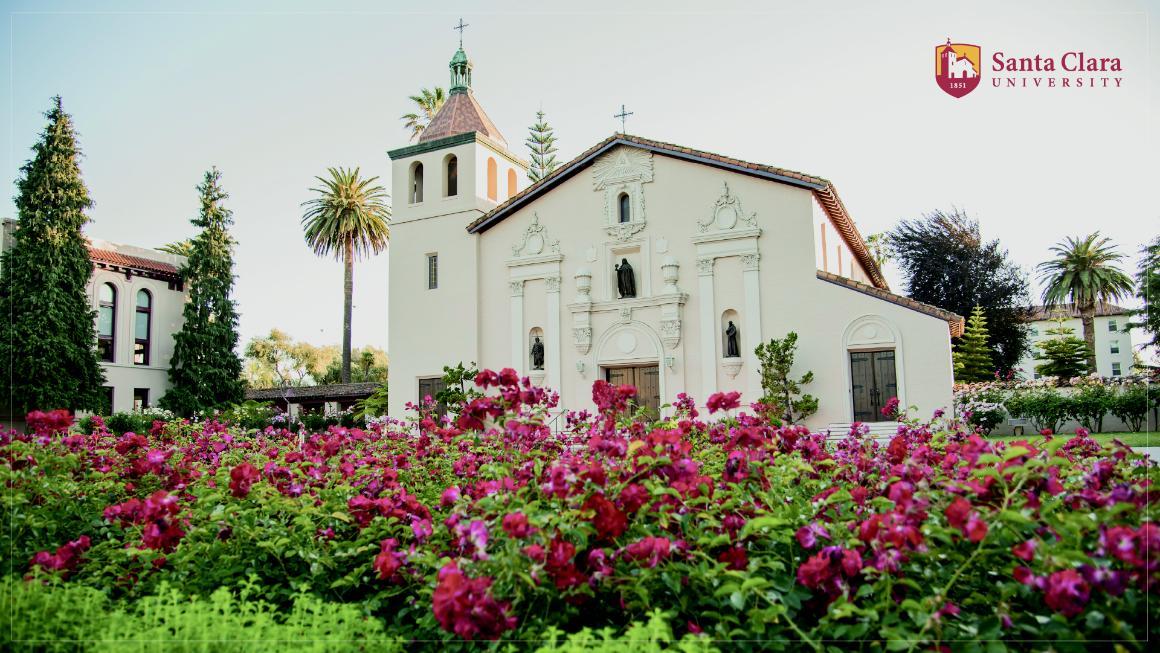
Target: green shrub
(1130, 404)
(1046, 408)
(1089, 405)
(120, 423)
(249, 414)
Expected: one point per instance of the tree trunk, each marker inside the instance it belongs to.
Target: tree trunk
(348, 299)
(1088, 317)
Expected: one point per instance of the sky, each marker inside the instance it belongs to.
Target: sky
(273, 93)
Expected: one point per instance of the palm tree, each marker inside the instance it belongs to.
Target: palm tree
(179, 247)
(428, 104)
(348, 219)
(1084, 273)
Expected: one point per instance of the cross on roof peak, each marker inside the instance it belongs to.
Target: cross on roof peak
(460, 27)
(623, 115)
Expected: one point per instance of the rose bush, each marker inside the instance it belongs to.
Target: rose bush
(488, 525)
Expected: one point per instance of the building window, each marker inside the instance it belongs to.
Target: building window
(142, 327)
(452, 176)
(107, 322)
(511, 182)
(1112, 326)
(432, 271)
(1115, 346)
(624, 208)
(140, 398)
(1116, 369)
(416, 183)
(492, 179)
(107, 399)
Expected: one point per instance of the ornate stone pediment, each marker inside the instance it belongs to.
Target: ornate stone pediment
(622, 164)
(535, 241)
(727, 214)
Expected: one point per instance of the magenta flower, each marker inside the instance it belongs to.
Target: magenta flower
(1067, 592)
(241, 478)
(723, 401)
(516, 525)
(465, 606)
(807, 536)
(389, 560)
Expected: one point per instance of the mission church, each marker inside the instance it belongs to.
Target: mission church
(645, 263)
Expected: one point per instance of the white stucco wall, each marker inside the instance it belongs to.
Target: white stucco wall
(791, 295)
(122, 374)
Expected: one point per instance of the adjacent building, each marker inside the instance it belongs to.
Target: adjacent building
(1114, 351)
(646, 263)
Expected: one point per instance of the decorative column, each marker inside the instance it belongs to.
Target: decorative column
(552, 353)
(518, 355)
(750, 264)
(708, 308)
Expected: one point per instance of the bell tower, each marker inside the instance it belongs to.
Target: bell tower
(459, 170)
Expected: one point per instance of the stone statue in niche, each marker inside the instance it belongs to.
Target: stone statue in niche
(732, 346)
(537, 354)
(625, 280)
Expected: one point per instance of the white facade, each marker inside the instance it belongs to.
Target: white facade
(136, 376)
(1113, 343)
(709, 244)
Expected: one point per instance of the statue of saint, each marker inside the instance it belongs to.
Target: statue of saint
(625, 281)
(732, 348)
(537, 354)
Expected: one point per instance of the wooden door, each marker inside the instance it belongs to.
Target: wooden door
(873, 381)
(646, 380)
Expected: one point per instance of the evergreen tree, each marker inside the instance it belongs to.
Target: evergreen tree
(781, 391)
(205, 371)
(1066, 354)
(542, 144)
(973, 356)
(1148, 290)
(945, 262)
(47, 332)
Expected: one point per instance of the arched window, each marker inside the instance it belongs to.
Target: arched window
(142, 327)
(624, 208)
(511, 182)
(492, 180)
(452, 177)
(107, 321)
(416, 183)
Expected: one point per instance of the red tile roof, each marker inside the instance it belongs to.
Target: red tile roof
(1041, 313)
(107, 258)
(823, 191)
(954, 320)
(461, 113)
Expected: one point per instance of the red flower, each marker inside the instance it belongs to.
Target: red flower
(1025, 551)
(734, 558)
(1067, 592)
(241, 478)
(609, 521)
(389, 560)
(54, 421)
(66, 558)
(958, 512)
(465, 606)
(651, 549)
(723, 401)
(890, 410)
(516, 525)
(976, 529)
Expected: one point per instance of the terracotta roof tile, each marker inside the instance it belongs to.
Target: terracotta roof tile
(823, 190)
(1041, 313)
(461, 113)
(954, 320)
(118, 259)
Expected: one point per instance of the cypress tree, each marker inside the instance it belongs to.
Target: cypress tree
(47, 329)
(1066, 354)
(205, 371)
(542, 144)
(973, 356)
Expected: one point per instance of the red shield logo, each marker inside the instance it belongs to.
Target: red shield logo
(957, 67)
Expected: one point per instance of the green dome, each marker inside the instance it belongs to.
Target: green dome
(460, 57)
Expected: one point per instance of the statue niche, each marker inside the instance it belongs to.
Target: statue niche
(732, 344)
(625, 279)
(537, 354)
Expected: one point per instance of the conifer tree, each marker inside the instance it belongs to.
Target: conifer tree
(972, 358)
(1066, 353)
(542, 144)
(205, 371)
(47, 323)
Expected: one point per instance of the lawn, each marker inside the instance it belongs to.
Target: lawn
(1134, 440)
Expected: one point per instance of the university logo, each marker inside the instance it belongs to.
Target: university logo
(956, 67)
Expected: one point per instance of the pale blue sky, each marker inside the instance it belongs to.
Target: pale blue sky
(274, 92)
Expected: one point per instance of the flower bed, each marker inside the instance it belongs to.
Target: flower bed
(492, 527)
